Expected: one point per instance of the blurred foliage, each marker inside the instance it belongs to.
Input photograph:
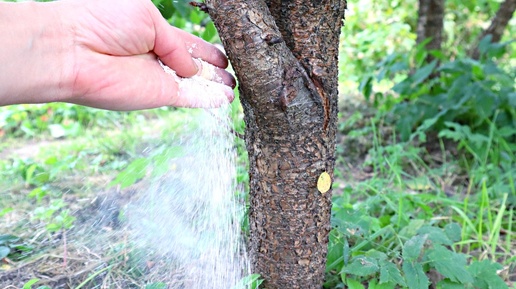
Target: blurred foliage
(182, 15)
(470, 102)
(464, 90)
(375, 29)
(58, 119)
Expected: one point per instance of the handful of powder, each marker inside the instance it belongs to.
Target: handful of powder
(204, 89)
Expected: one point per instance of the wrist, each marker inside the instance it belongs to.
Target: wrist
(35, 58)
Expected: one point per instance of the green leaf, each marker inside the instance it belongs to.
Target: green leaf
(373, 284)
(4, 252)
(511, 98)
(5, 211)
(39, 193)
(411, 229)
(6, 239)
(447, 284)
(53, 227)
(334, 259)
(40, 179)
(354, 284)
(436, 235)
(366, 86)
(378, 255)
(483, 101)
(133, 173)
(157, 285)
(453, 232)
(161, 160)
(210, 32)
(416, 277)
(421, 51)
(421, 74)
(252, 281)
(362, 266)
(30, 173)
(484, 273)
(413, 247)
(449, 264)
(29, 283)
(390, 273)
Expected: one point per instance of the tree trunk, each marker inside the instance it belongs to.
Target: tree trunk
(430, 24)
(498, 25)
(285, 60)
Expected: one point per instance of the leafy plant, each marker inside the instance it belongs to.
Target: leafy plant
(14, 248)
(464, 91)
(182, 15)
(158, 163)
(55, 216)
(252, 281)
(364, 249)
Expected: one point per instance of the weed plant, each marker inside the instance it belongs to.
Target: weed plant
(411, 225)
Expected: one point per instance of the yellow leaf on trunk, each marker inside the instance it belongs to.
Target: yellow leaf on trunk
(324, 182)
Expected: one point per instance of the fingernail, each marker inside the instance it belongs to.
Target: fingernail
(198, 64)
(233, 82)
(229, 92)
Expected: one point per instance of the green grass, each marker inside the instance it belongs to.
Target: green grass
(439, 205)
(411, 195)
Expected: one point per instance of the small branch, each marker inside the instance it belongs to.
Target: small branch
(202, 6)
(65, 253)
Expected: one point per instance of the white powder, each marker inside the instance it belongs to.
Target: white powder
(204, 89)
(191, 49)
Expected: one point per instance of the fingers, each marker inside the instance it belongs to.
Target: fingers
(202, 49)
(213, 73)
(206, 89)
(167, 89)
(172, 52)
(176, 48)
(139, 82)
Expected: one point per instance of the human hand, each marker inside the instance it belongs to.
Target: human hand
(114, 48)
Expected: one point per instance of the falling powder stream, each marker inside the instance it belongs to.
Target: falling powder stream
(191, 215)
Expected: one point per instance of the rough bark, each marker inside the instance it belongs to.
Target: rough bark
(497, 26)
(430, 24)
(286, 64)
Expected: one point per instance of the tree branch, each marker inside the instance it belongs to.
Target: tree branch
(498, 25)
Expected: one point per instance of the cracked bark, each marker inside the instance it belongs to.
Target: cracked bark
(284, 53)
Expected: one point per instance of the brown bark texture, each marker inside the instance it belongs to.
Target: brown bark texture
(285, 56)
(430, 24)
(498, 25)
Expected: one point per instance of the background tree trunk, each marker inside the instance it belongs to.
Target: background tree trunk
(285, 60)
(430, 24)
(498, 25)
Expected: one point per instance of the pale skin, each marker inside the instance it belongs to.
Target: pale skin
(101, 53)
